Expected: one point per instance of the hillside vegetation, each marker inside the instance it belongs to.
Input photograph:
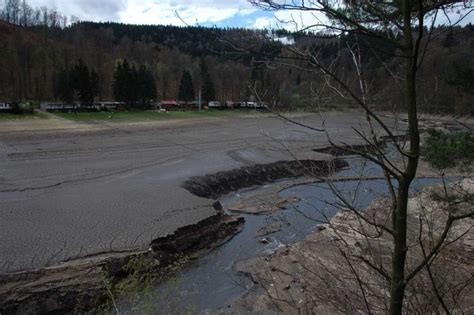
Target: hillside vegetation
(36, 49)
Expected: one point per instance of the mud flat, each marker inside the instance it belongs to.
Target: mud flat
(126, 171)
(78, 285)
(132, 176)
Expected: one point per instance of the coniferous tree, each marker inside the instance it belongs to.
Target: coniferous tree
(151, 91)
(146, 86)
(123, 83)
(118, 84)
(65, 86)
(208, 91)
(81, 83)
(186, 87)
(94, 84)
(134, 87)
(127, 82)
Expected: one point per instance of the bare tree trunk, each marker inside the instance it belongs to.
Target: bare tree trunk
(397, 290)
(398, 283)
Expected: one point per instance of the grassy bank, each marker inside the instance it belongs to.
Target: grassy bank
(147, 115)
(10, 116)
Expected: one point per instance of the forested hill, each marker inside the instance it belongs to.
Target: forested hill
(35, 50)
(33, 56)
(194, 40)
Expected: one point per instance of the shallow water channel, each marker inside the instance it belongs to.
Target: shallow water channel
(210, 283)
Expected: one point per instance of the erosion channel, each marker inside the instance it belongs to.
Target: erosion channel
(277, 214)
(279, 204)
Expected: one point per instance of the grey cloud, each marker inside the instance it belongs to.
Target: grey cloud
(126, 10)
(100, 10)
(86, 9)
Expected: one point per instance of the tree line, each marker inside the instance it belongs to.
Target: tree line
(19, 12)
(132, 85)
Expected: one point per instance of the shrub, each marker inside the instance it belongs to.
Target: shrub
(443, 150)
(24, 108)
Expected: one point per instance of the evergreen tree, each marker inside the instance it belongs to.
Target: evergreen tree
(186, 87)
(81, 83)
(65, 86)
(126, 82)
(146, 86)
(94, 84)
(134, 87)
(118, 84)
(123, 83)
(151, 92)
(208, 91)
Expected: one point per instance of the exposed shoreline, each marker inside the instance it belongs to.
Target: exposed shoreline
(58, 288)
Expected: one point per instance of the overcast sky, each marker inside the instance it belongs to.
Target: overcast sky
(176, 12)
(203, 12)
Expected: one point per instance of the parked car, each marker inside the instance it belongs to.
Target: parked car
(242, 104)
(214, 104)
(251, 104)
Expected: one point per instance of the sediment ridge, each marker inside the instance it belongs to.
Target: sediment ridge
(216, 185)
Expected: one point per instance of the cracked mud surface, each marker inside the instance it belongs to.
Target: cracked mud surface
(65, 193)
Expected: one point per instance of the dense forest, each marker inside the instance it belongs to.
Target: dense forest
(39, 48)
